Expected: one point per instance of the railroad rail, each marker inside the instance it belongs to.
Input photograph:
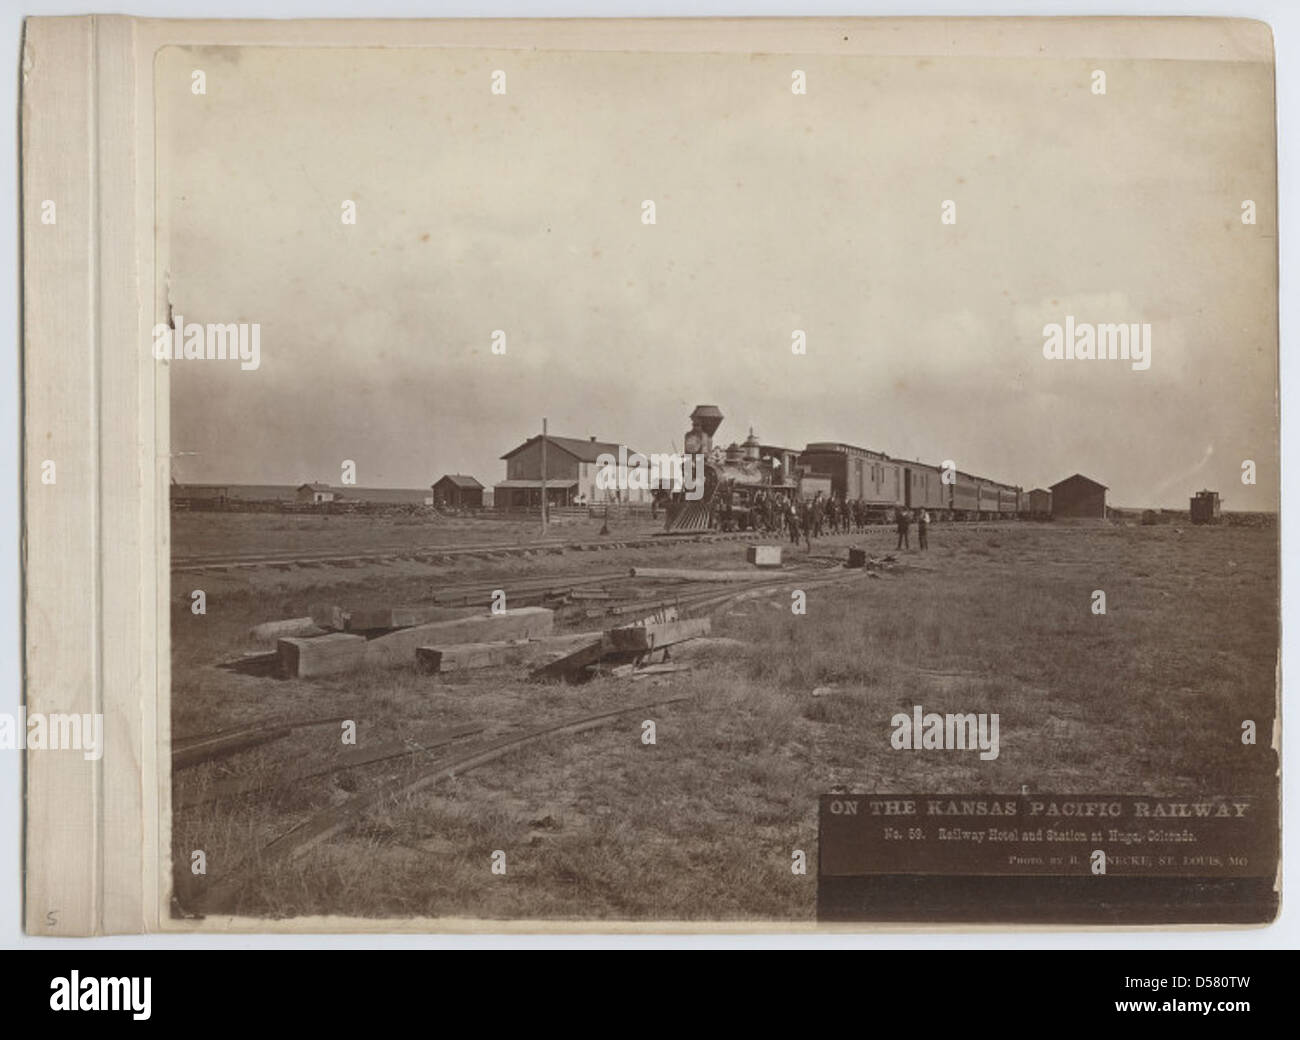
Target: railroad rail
(438, 554)
(335, 820)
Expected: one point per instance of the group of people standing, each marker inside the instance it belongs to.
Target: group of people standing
(903, 518)
(804, 519)
(823, 515)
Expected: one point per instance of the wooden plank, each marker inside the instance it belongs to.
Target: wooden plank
(299, 626)
(661, 615)
(684, 574)
(573, 664)
(460, 657)
(513, 653)
(648, 637)
(344, 651)
(399, 647)
(322, 655)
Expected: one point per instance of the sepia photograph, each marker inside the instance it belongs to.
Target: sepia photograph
(562, 478)
(715, 488)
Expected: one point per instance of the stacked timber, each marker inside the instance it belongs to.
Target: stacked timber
(518, 637)
(626, 649)
(339, 652)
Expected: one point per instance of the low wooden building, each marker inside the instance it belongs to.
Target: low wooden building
(1078, 496)
(199, 496)
(315, 493)
(527, 494)
(457, 491)
(1040, 503)
(1205, 507)
(573, 474)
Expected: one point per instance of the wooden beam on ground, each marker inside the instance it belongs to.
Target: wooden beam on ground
(398, 648)
(643, 638)
(459, 657)
(575, 663)
(299, 626)
(321, 655)
(464, 656)
(684, 574)
(340, 652)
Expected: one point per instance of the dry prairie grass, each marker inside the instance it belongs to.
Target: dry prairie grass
(701, 825)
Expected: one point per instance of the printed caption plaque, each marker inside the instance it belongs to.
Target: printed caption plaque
(1047, 859)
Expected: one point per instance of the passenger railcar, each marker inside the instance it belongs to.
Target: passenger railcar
(923, 487)
(1008, 500)
(964, 496)
(856, 474)
(988, 493)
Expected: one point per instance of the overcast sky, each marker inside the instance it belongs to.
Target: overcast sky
(774, 212)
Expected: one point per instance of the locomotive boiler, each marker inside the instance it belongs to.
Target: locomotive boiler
(738, 481)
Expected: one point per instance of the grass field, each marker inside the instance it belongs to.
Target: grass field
(201, 533)
(1147, 699)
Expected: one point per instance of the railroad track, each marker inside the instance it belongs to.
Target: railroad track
(335, 820)
(440, 553)
(323, 825)
(499, 550)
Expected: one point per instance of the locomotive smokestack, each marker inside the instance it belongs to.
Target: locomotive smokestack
(708, 416)
(705, 421)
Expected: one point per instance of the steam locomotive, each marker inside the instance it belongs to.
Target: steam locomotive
(738, 481)
(742, 478)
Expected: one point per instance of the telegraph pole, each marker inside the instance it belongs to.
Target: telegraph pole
(544, 475)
